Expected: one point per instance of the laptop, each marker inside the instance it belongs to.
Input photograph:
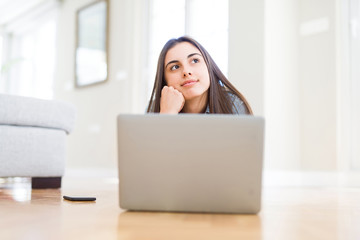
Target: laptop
(206, 163)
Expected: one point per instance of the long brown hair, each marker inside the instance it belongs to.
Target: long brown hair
(219, 100)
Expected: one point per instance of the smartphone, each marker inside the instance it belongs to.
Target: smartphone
(79, 198)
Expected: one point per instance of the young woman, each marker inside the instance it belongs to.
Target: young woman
(189, 81)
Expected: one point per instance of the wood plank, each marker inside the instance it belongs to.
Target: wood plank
(287, 213)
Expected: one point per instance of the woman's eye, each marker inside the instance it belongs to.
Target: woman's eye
(174, 67)
(195, 60)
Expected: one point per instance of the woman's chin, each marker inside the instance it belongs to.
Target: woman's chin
(189, 97)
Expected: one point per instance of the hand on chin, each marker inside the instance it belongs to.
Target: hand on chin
(171, 101)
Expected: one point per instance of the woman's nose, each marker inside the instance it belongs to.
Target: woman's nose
(187, 73)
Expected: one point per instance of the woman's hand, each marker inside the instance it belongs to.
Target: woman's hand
(172, 101)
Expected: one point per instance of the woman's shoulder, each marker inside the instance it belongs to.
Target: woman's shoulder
(238, 106)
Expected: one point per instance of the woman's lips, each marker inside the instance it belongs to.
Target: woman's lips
(188, 83)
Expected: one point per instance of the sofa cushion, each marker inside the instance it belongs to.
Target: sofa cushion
(31, 151)
(27, 111)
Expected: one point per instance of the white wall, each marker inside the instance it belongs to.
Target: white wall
(93, 142)
(317, 85)
(354, 83)
(288, 77)
(283, 58)
(281, 85)
(246, 50)
(263, 64)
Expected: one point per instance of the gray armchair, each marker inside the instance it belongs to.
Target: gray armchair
(33, 138)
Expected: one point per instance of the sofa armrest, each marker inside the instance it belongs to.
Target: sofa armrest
(27, 111)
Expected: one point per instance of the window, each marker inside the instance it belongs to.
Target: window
(204, 20)
(30, 53)
(33, 74)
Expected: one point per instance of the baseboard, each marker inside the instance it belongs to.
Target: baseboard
(311, 179)
(271, 178)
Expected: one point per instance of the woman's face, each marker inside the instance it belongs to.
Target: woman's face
(186, 70)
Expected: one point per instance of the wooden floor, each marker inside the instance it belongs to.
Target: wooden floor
(287, 213)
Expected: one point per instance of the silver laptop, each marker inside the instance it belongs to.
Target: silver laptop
(190, 163)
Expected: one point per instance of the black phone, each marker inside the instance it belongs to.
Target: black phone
(79, 198)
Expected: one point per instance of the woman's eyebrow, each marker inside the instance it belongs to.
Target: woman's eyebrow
(189, 56)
